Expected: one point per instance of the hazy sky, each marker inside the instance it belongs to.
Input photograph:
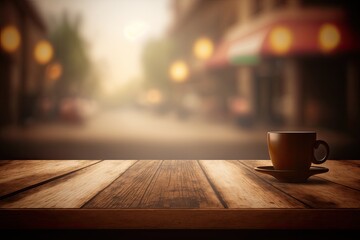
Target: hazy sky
(116, 31)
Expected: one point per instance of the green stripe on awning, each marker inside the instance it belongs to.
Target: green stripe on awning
(245, 60)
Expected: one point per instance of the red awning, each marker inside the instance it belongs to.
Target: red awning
(307, 39)
(286, 37)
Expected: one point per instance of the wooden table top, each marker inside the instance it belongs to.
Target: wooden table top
(200, 194)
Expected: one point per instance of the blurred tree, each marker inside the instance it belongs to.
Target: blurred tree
(156, 59)
(71, 51)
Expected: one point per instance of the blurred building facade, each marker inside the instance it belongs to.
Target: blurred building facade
(20, 74)
(284, 63)
(193, 21)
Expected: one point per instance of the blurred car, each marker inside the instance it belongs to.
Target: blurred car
(76, 110)
(241, 111)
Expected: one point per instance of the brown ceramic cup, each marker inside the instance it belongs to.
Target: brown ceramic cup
(294, 150)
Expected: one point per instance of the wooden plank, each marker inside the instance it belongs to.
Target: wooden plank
(71, 191)
(180, 184)
(128, 190)
(357, 162)
(343, 172)
(283, 219)
(316, 192)
(156, 184)
(241, 188)
(19, 174)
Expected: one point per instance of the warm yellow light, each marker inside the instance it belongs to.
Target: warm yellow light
(154, 96)
(54, 71)
(203, 48)
(281, 39)
(43, 52)
(179, 71)
(10, 39)
(329, 37)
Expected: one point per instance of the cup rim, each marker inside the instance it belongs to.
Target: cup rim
(292, 132)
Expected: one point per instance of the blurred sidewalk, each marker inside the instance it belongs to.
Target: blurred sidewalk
(134, 134)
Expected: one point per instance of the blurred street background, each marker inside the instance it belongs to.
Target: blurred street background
(176, 79)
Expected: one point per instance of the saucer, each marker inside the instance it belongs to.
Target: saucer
(291, 175)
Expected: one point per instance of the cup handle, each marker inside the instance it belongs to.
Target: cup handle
(317, 144)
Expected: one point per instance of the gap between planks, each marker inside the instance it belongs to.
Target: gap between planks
(216, 191)
(316, 192)
(159, 184)
(241, 188)
(70, 191)
(11, 194)
(85, 203)
(269, 183)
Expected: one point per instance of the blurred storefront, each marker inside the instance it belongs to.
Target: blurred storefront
(22, 59)
(197, 28)
(279, 63)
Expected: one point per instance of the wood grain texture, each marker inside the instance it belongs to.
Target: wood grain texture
(19, 174)
(241, 188)
(180, 184)
(256, 201)
(128, 190)
(159, 184)
(315, 193)
(71, 191)
(343, 172)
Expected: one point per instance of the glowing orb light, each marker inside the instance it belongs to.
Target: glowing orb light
(43, 52)
(203, 48)
(179, 71)
(10, 39)
(329, 37)
(54, 71)
(281, 39)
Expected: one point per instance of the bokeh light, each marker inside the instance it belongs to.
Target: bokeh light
(203, 48)
(43, 52)
(179, 71)
(54, 71)
(174, 79)
(10, 39)
(281, 39)
(154, 96)
(329, 37)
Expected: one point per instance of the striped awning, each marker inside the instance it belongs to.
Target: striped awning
(286, 38)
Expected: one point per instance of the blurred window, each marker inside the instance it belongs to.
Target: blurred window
(279, 3)
(332, 3)
(257, 7)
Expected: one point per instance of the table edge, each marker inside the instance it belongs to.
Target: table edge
(346, 219)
